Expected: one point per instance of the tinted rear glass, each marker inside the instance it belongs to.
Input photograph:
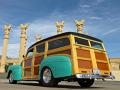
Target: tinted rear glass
(58, 43)
(81, 41)
(96, 45)
(40, 48)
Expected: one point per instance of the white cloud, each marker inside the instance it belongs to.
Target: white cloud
(13, 50)
(100, 1)
(96, 18)
(111, 31)
(96, 2)
(85, 6)
(45, 28)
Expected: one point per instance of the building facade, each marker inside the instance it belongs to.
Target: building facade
(115, 67)
(10, 61)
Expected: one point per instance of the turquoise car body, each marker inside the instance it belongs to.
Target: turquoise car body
(16, 71)
(60, 66)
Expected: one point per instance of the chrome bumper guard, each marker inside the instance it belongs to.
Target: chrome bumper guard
(94, 76)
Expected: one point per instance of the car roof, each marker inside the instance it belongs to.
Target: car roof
(67, 33)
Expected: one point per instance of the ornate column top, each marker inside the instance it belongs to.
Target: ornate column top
(79, 25)
(7, 28)
(59, 26)
(24, 26)
(38, 38)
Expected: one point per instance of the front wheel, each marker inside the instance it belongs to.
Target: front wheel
(86, 82)
(11, 80)
(47, 78)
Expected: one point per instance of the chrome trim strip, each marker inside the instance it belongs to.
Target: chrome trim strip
(94, 76)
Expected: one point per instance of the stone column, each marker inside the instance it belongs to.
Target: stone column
(59, 26)
(7, 29)
(38, 38)
(23, 40)
(79, 25)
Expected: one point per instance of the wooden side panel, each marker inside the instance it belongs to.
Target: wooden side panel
(27, 72)
(84, 64)
(38, 60)
(83, 53)
(61, 52)
(36, 70)
(27, 67)
(102, 66)
(28, 62)
(100, 56)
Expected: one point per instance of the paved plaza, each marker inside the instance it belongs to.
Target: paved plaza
(25, 85)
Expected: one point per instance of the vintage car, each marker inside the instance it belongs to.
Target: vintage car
(69, 56)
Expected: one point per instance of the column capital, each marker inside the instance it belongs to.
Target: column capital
(7, 29)
(59, 26)
(79, 25)
(38, 38)
(24, 26)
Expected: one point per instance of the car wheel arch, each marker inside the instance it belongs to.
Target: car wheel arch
(9, 74)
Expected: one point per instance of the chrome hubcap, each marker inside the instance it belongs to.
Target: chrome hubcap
(10, 78)
(47, 75)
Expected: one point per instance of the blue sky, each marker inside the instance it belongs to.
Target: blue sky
(102, 20)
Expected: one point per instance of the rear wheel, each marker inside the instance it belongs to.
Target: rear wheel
(86, 82)
(11, 80)
(47, 78)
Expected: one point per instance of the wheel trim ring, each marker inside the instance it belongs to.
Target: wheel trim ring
(10, 79)
(47, 76)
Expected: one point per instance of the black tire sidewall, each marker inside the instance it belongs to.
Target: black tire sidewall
(86, 82)
(13, 81)
(51, 83)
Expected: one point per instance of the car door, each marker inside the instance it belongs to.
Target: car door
(27, 68)
(38, 58)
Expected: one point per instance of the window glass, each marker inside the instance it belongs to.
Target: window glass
(96, 45)
(30, 53)
(81, 41)
(58, 43)
(40, 48)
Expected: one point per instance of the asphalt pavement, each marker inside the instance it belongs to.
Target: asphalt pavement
(28, 85)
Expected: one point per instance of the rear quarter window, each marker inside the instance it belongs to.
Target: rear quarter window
(81, 41)
(58, 43)
(40, 48)
(96, 45)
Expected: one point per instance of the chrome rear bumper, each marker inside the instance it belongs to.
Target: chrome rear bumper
(94, 76)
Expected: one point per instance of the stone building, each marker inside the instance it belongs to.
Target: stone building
(115, 67)
(11, 61)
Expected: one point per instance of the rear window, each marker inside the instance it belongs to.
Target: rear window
(40, 48)
(96, 45)
(81, 41)
(58, 43)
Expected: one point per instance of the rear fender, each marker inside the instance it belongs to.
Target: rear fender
(16, 71)
(60, 66)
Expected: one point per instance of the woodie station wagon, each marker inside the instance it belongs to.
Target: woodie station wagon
(69, 56)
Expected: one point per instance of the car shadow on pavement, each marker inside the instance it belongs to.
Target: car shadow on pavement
(59, 86)
(75, 87)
